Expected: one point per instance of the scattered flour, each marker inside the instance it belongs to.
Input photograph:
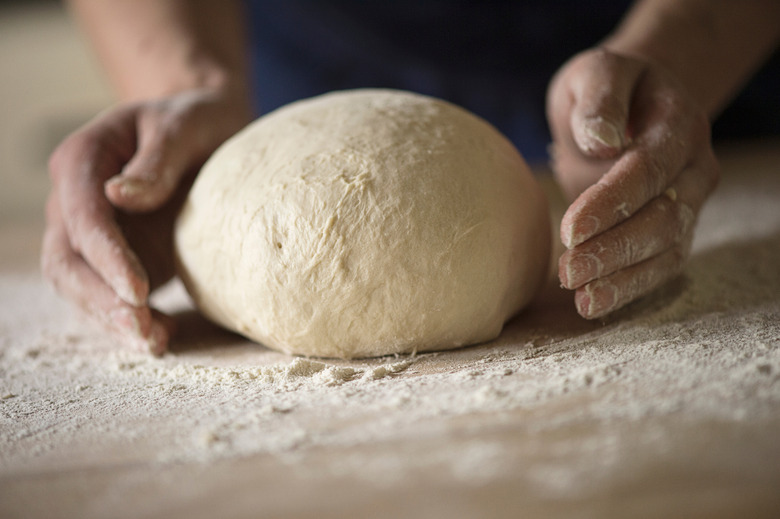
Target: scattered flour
(66, 385)
(555, 401)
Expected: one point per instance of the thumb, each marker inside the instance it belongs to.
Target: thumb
(602, 94)
(151, 177)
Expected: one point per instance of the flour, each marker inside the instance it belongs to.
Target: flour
(300, 373)
(558, 402)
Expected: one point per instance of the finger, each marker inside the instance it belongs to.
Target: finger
(73, 278)
(175, 136)
(167, 323)
(78, 168)
(602, 94)
(658, 226)
(574, 171)
(654, 229)
(644, 171)
(150, 178)
(604, 295)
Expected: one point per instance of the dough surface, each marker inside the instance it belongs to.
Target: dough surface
(364, 223)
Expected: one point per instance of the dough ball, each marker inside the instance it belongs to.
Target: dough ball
(364, 223)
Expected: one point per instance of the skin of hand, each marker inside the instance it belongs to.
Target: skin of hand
(632, 149)
(117, 184)
(631, 132)
(179, 69)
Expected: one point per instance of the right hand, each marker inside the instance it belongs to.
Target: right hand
(117, 184)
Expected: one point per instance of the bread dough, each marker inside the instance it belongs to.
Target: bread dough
(364, 223)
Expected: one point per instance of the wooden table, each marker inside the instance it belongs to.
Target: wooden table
(672, 409)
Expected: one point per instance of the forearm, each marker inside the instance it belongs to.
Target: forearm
(154, 48)
(712, 46)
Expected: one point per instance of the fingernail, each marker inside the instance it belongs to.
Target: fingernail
(604, 132)
(581, 229)
(126, 319)
(581, 269)
(116, 180)
(128, 293)
(157, 339)
(598, 299)
(582, 302)
(139, 344)
(129, 187)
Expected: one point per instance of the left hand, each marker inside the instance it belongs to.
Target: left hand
(632, 149)
(117, 185)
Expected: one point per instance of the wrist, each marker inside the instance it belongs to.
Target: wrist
(157, 48)
(184, 75)
(710, 48)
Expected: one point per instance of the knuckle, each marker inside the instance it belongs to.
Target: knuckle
(47, 269)
(680, 255)
(68, 154)
(51, 266)
(652, 172)
(83, 229)
(685, 220)
(60, 158)
(605, 57)
(45, 263)
(700, 129)
(712, 171)
(626, 250)
(701, 124)
(601, 56)
(52, 208)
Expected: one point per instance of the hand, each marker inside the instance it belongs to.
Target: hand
(633, 151)
(117, 185)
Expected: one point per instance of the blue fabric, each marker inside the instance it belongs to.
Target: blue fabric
(494, 58)
(755, 112)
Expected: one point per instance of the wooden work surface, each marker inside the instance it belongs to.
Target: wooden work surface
(671, 409)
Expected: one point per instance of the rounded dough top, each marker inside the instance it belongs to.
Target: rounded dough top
(363, 223)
